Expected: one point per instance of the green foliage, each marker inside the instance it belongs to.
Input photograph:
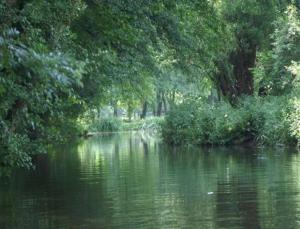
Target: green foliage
(14, 151)
(60, 60)
(272, 70)
(294, 118)
(115, 124)
(269, 119)
(249, 24)
(265, 121)
(37, 95)
(105, 125)
(133, 47)
(201, 123)
(251, 21)
(153, 123)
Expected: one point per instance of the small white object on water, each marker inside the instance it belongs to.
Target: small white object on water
(210, 193)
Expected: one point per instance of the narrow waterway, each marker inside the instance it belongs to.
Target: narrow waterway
(133, 180)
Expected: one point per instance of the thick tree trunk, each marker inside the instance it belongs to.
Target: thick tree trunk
(243, 61)
(224, 80)
(238, 81)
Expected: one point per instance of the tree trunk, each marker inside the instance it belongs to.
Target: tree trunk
(145, 109)
(159, 104)
(115, 111)
(238, 81)
(243, 61)
(130, 112)
(164, 103)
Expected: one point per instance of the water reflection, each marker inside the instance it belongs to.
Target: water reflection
(134, 181)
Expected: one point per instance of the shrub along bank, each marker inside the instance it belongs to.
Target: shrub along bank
(263, 120)
(115, 125)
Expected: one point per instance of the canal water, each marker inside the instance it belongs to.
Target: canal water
(133, 180)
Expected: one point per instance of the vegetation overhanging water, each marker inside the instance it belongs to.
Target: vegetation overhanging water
(224, 72)
(201, 73)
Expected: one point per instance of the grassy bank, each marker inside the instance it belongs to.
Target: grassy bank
(116, 125)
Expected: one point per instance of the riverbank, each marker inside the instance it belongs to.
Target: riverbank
(272, 120)
(113, 125)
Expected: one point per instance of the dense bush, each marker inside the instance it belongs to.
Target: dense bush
(294, 119)
(115, 124)
(201, 123)
(153, 123)
(273, 69)
(37, 99)
(269, 120)
(106, 125)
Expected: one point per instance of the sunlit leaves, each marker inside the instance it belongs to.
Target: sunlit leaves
(278, 66)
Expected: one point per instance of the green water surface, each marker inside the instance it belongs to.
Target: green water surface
(133, 180)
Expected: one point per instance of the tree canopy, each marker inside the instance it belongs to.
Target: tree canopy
(61, 59)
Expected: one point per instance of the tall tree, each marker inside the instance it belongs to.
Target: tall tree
(251, 24)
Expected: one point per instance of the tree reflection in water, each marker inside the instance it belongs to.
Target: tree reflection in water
(132, 180)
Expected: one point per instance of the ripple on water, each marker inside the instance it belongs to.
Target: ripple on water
(124, 182)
